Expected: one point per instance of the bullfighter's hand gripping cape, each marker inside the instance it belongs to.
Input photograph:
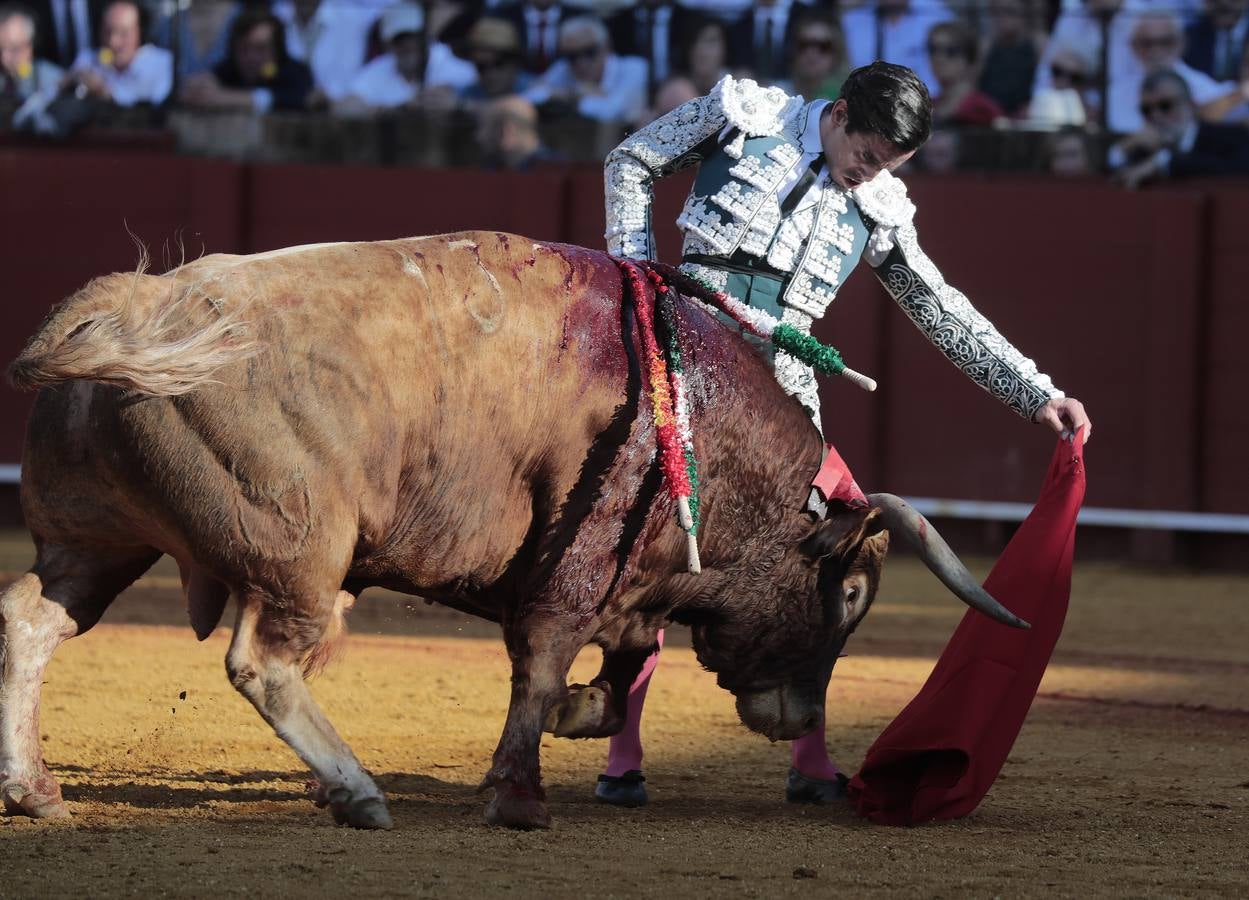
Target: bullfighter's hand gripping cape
(940, 756)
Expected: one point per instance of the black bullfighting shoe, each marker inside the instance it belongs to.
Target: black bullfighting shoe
(622, 790)
(801, 789)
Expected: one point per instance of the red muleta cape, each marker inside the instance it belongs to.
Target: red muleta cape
(941, 755)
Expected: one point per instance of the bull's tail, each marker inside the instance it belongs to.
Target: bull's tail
(138, 332)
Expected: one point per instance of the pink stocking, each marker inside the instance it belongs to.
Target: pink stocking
(809, 755)
(624, 751)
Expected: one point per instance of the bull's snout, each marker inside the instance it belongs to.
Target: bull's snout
(780, 714)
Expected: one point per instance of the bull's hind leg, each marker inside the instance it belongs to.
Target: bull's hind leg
(63, 595)
(266, 664)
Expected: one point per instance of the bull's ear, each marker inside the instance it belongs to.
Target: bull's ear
(842, 533)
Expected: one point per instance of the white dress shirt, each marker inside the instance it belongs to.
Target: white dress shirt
(148, 78)
(342, 37)
(623, 89)
(380, 83)
(812, 147)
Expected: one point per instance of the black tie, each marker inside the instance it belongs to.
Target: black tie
(801, 186)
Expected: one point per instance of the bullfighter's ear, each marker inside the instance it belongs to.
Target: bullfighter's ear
(843, 533)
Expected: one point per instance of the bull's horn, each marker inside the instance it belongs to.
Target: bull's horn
(904, 520)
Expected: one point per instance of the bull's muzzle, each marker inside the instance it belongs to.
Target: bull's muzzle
(780, 713)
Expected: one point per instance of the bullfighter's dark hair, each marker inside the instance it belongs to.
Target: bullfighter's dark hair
(890, 101)
(249, 18)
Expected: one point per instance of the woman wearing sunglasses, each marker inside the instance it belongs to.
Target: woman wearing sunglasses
(1070, 99)
(817, 60)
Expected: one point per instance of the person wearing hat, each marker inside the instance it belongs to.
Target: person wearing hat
(493, 47)
(406, 75)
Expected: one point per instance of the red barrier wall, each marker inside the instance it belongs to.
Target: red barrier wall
(1224, 366)
(1132, 301)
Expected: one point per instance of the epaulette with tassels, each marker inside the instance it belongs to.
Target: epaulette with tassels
(651, 287)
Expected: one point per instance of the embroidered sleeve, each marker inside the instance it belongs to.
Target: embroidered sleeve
(965, 336)
(672, 142)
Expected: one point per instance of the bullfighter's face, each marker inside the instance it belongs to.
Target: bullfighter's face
(777, 660)
(854, 159)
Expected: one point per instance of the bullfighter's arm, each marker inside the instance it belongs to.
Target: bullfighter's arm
(958, 329)
(677, 140)
(940, 311)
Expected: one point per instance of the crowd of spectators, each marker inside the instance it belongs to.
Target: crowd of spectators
(1146, 89)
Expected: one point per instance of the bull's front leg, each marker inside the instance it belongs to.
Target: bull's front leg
(541, 657)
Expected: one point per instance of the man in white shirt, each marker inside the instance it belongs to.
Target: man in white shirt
(895, 31)
(125, 71)
(588, 76)
(1157, 42)
(404, 76)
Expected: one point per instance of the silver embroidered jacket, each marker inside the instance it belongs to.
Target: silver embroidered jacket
(749, 139)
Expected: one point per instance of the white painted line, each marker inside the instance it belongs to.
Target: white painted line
(1165, 520)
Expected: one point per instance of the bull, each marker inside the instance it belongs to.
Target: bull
(456, 417)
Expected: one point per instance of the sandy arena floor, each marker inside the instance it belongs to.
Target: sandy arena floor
(1131, 777)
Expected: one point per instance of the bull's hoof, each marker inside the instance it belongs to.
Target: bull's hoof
(370, 812)
(514, 808)
(366, 812)
(818, 791)
(587, 713)
(626, 790)
(20, 800)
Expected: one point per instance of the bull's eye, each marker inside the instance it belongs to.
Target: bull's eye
(852, 594)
